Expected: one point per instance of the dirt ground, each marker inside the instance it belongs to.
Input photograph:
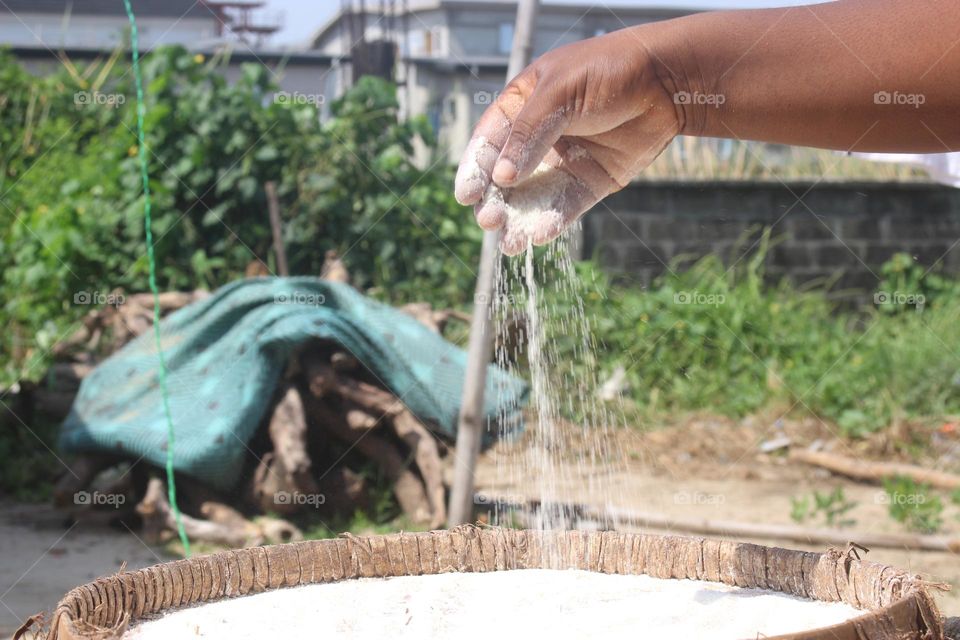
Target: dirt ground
(42, 557)
(704, 467)
(708, 468)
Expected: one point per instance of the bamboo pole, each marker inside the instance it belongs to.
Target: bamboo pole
(480, 349)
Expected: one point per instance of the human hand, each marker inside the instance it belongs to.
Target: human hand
(576, 125)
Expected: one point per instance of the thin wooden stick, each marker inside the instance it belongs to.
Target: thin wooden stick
(795, 533)
(273, 208)
(875, 471)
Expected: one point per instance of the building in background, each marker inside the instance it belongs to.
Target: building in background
(102, 24)
(451, 55)
(43, 33)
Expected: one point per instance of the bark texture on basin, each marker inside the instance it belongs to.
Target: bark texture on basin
(897, 604)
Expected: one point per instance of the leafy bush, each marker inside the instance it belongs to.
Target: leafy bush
(913, 504)
(72, 214)
(726, 341)
(832, 508)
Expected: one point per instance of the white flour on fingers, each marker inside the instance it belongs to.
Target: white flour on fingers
(535, 206)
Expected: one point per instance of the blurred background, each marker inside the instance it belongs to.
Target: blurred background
(753, 305)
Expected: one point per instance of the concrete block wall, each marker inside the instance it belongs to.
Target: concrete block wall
(841, 231)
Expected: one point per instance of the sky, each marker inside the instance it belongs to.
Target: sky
(301, 18)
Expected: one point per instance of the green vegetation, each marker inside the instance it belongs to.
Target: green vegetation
(830, 508)
(71, 215)
(702, 338)
(725, 340)
(913, 504)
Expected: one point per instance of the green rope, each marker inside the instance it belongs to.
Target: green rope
(148, 223)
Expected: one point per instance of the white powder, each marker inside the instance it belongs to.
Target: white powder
(535, 207)
(470, 177)
(529, 603)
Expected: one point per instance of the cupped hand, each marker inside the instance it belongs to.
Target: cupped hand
(576, 125)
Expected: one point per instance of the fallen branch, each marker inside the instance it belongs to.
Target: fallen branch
(795, 533)
(158, 517)
(875, 471)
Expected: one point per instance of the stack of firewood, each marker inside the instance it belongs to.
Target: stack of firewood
(332, 422)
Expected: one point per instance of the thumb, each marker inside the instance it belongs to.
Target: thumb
(535, 130)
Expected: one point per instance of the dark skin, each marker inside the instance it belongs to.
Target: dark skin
(851, 75)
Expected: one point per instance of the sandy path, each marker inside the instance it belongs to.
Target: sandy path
(41, 558)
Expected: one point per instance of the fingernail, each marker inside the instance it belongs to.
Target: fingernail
(504, 172)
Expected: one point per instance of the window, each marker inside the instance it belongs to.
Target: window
(433, 41)
(505, 43)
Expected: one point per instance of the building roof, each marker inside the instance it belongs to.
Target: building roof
(265, 56)
(576, 10)
(152, 8)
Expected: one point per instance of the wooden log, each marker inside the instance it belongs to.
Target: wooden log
(158, 517)
(424, 447)
(333, 268)
(408, 488)
(875, 471)
(288, 433)
(365, 401)
(434, 319)
(276, 531)
(80, 474)
(270, 487)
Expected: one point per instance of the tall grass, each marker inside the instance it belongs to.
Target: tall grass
(730, 341)
(710, 159)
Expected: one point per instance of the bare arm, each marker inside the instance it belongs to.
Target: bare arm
(870, 75)
(865, 75)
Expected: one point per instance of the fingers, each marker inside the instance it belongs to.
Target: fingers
(538, 210)
(491, 212)
(489, 136)
(535, 130)
(473, 174)
(542, 207)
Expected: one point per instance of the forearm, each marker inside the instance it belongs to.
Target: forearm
(866, 75)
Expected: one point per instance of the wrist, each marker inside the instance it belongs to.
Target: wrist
(687, 78)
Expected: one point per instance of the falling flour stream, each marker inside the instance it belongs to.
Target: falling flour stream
(541, 323)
